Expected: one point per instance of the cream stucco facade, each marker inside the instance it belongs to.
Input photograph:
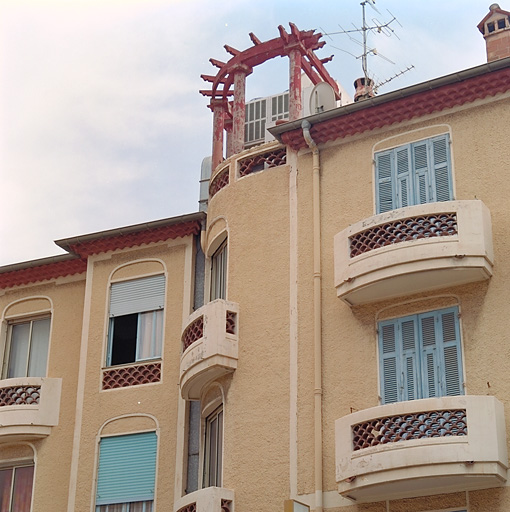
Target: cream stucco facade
(333, 331)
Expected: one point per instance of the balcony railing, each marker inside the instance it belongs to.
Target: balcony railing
(421, 447)
(209, 346)
(413, 249)
(210, 499)
(250, 161)
(29, 407)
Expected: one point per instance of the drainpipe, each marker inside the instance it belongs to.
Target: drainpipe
(317, 315)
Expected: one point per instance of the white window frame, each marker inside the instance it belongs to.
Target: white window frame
(13, 468)
(213, 448)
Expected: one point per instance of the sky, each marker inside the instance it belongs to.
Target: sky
(101, 121)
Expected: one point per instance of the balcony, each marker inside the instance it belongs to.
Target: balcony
(250, 161)
(209, 346)
(412, 250)
(421, 447)
(210, 499)
(29, 407)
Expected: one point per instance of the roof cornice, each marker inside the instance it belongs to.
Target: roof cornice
(401, 105)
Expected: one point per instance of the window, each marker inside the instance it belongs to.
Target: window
(416, 173)
(136, 320)
(127, 473)
(213, 449)
(27, 349)
(255, 123)
(420, 356)
(16, 488)
(219, 272)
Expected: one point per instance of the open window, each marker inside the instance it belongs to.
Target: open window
(26, 352)
(412, 174)
(127, 473)
(136, 320)
(16, 484)
(420, 356)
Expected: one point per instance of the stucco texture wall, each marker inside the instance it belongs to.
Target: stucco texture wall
(256, 428)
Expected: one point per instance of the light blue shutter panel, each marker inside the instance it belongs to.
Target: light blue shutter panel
(450, 336)
(431, 379)
(423, 190)
(384, 182)
(440, 149)
(137, 296)
(390, 362)
(127, 468)
(403, 176)
(411, 372)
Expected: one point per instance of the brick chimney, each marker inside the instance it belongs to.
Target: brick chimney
(364, 89)
(495, 28)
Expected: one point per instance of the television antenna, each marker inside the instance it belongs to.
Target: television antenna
(376, 27)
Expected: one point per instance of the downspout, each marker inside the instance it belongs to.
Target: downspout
(317, 315)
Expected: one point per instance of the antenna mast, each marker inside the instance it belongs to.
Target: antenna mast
(377, 27)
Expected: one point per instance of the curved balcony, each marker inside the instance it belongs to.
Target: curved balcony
(421, 447)
(210, 346)
(413, 249)
(210, 499)
(29, 407)
(250, 161)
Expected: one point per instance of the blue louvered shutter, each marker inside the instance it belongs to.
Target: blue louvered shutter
(423, 192)
(137, 296)
(410, 368)
(402, 160)
(431, 371)
(449, 335)
(127, 468)
(390, 362)
(385, 196)
(440, 150)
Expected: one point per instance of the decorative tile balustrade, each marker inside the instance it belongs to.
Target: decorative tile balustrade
(261, 161)
(422, 425)
(20, 395)
(132, 375)
(421, 447)
(219, 181)
(413, 250)
(192, 507)
(403, 230)
(193, 332)
(29, 407)
(210, 346)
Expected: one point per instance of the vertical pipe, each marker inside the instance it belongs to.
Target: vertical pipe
(295, 106)
(317, 315)
(238, 113)
(218, 108)
(228, 129)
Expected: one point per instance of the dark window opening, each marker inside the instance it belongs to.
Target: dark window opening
(491, 27)
(501, 23)
(124, 339)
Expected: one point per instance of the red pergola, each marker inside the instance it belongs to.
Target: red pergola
(230, 80)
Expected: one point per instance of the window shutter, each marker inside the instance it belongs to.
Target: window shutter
(442, 170)
(137, 296)
(431, 386)
(384, 182)
(403, 177)
(450, 335)
(411, 384)
(390, 362)
(127, 468)
(423, 191)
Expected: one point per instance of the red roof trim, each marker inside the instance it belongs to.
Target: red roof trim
(43, 272)
(403, 109)
(125, 241)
